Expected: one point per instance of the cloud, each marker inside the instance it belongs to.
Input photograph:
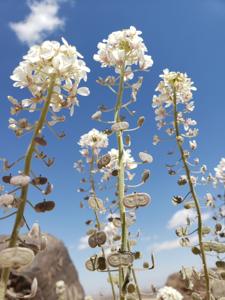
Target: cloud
(172, 244)
(179, 218)
(83, 243)
(43, 19)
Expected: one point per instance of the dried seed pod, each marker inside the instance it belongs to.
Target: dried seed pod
(120, 126)
(145, 157)
(214, 246)
(206, 230)
(131, 288)
(104, 161)
(97, 239)
(95, 203)
(137, 255)
(16, 257)
(140, 121)
(220, 264)
(146, 265)
(40, 140)
(117, 222)
(92, 241)
(177, 200)
(135, 200)
(97, 115)
(44, 206)
(196, 250)
(91, 263)
(218, 227)
(40, 180)
(182, 181)
(49, 189)
(7, 178)
(171, 172)
(101, 263)
(115, 172)
(120, 259)
(128, 140)
(189, 205)
(145, 175)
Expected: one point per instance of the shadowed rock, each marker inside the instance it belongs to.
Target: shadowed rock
(48, 267)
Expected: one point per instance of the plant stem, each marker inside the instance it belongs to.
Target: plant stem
(24, 190)
(120, 181)
(98, 221)
(195, 198)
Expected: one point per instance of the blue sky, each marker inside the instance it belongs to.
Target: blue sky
(180, 35)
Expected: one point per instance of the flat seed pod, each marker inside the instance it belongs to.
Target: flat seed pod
(40, 180)
(16, 257)
(214, 246)
(104, 161)
(220, 264)
(140, 121)
(120, 259)
(101, 238)
(101, 263)
(115, 172)
(145, 175)
(95, 203)
(6, 178)
(130, 288)
(196, 251)
(145, 157)
(92, 241)
(120, 126)
(116, 222)
(136, 200)
(91, 263)
(44, 206)
(189, 205)
(41, 141)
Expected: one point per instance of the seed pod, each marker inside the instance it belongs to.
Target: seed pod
(16, 257)
(40, 180)
(104, 161)
(218, 227)
(131, 288)
(145, 157)
(117, 222)
(196, 250)
(44, 206)
(97, 115)
(140, 121)
(146, 265)
(189, 205)
(120, 259)
(206, 230)
(171, 172)
(145, 175)
(115, 172)
(214, 246)
(95, 203)
(177, 200)
(97, 239)
(6, 178)
(91, 264)
(135, 200)
(128, 140)
(220, 264)
(182, 181)
(40, 140)
(101, 263)
(137, 255)
(49, 189)
(120, 126)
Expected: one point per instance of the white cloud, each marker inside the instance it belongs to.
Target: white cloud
(172, 244)
(43, 19)
(179, 218)
(83, 243)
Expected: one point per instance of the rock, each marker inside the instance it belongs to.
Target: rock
(49, 266)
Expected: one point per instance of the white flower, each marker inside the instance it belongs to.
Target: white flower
(124, 48)
(168, 293)
(193, 144)
(6, 200)
(220, 171)
(94, 139)
(21, 180)
(44, 61)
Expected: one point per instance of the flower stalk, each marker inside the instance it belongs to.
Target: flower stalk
(194, 196)
(24, 190)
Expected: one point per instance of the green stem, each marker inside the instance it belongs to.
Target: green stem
(195, 198)
(24, 190)
(121, 177)
(98, 222)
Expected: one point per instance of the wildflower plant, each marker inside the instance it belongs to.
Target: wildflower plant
(173, 105)
(125, 52)
(52, 73)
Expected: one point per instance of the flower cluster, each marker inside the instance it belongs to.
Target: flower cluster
(220, 171)
(94, 139)
(169, 293)
(123, 49)
(179, 85)
(41, 64)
